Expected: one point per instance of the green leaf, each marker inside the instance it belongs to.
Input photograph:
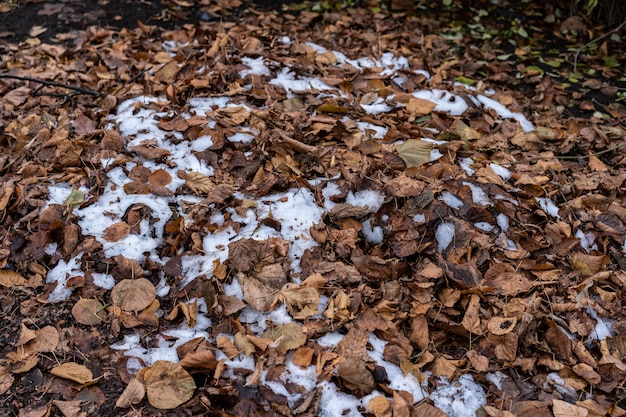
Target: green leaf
(447, 2)
(415, 152)
(610, 62)
(75, 198)
(522, 32)
(464, 80)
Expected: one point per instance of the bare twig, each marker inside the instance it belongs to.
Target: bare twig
(302, 147)
(79, 90)
(579, 50)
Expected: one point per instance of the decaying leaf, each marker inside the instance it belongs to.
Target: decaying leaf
(88, 311)
(133, 294)
(380, 406)
(6, 380)
(116, 231)
(286, 337)
(168, 385)
(415, 152)
(74, 372)
(302, 302)
(133, 394)
(11, 278)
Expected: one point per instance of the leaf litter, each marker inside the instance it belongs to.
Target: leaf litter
(261, 223)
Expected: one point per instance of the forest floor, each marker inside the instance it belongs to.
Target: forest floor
(386, 209)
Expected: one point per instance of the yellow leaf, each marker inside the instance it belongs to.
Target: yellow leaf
(415, 152)
(73, 372)
(380, 406)
(286, 337)
(11, 278)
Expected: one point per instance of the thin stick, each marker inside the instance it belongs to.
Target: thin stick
(579, 50)
(54, 84)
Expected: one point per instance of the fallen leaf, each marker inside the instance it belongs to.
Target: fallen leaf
(133, 294)
(168, 385)
(415, 152)
(73, 372)
(88, 311)
(286, 337)
(116, 232)
(380, 406)
(133, 394)
(11, 278)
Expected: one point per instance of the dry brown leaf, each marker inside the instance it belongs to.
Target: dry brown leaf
(73, 372)
(501, 325)
(244, 344)
(420, 106)
(133, 294)
(479, 362)
(70, 408)
(286, 337)
(116, 232)
(302, 302)
(133, 394)
(302, 356)
(424, 409)
(168, 385)
(88, 311)
(228, 347)
(471, 319)
(11, 278)
(6, 380)
(565, 409)
(199, 183)
(415, 152)
(160, 178)
(380, 406)
(187, 310)
(354, 372)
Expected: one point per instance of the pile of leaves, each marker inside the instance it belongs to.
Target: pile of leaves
(526, 301)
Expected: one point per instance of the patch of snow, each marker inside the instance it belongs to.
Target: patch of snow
(505, 113)
(451, 200)
(484, 226)
(503, 222)
(548, 207)
(103, 280)
(372, 234)
(444, 101)
(466, 165)
(444, 235)
(586, 240)
(419, 218)
(257, 66)
(478, 195)
(461, 398)
(371, 199)
(434, 155)
(504, 173)
(241, 137)
(62, 272)
(602, 330)
(496, 378)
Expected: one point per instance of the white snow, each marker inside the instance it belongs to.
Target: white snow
(370, 199)
(586, 240)
(548, 206)
(466, 164)
(461, 398)
(451, 200)
(478, 195)
(372, 234)
(60, 274)
(444, 235)
(504, 173)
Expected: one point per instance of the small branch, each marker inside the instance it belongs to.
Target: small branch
(79, 90)
(302, 147)
(579, 50)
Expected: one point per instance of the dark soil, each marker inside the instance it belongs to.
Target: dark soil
(63, 16)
